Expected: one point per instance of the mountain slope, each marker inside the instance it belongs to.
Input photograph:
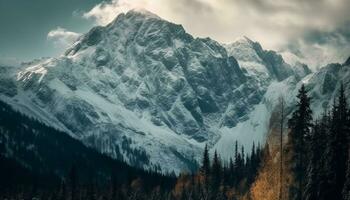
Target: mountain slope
(143, 87)
(324, 85)
(31, 152)
(257, 61)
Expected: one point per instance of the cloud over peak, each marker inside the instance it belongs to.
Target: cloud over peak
(62, 38)
(318, 28)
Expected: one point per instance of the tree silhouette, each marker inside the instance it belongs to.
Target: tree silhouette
(300, 125)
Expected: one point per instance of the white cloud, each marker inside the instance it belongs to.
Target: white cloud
(104, 12)
(62, 38)
(274, 23)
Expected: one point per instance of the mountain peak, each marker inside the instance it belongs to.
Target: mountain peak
(243, 39)
(142, 12)
(134, 14)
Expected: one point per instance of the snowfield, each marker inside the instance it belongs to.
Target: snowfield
(143, 90)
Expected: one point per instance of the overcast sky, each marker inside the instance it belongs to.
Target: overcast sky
(317, 30)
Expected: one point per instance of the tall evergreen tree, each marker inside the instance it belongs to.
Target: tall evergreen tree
(73, 178)
(325, 153)
(231, 172)
(339, 144)
(242, 163)
(300, 125)
(346, 188)
(313, 169)
(252, 164)
(236, 165)
(327, 176)
(216, 172)
(236, 151)
(205, 169)
(62, 195)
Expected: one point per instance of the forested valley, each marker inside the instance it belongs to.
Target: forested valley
(311, 163)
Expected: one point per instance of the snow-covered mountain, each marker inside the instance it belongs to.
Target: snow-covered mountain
(323, 86)
(143, 90)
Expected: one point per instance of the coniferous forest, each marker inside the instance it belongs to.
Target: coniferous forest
(40, 162)
(320, 150)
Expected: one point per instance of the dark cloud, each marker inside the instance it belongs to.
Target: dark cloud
(341, 35)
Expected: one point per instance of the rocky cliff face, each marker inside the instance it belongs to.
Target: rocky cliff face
(141, 87)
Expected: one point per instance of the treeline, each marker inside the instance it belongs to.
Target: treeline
(40, 162)
(219, 180)
(320, 160)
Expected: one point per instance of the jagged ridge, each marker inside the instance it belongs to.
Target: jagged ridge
(143, 87)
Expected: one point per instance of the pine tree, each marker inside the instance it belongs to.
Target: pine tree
(300, 125)
(248, 170)
(231, 172)
(327, 175)
(113, 186)
(239, 168)
(327, 172)
(62, 193)
(216, 172)
(259, 156)
(346, 188)
(325, 154)
(236, 166)
(242, 164)
(205, 169)
(73, 182)
(339, 143)
(313, 168)
(236, 151)
(251, 164)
